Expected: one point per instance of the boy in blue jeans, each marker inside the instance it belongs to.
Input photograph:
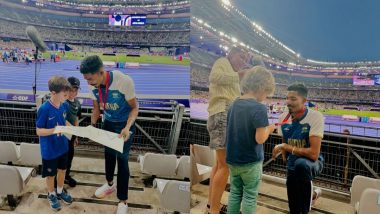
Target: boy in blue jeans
(54, 147)
(247, 130)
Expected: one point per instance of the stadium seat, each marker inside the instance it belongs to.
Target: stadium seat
(160, 165)
(359, 185)
(204, 155)
(183, 167)
(30, 154)
(13, 181)
(369, 202)
(202, 160)
(9, 152)
(170, 191)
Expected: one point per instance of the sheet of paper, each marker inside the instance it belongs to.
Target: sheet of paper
(106, 138)
(103, 137)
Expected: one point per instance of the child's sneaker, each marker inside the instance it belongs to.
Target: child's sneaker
(53, 201)
(65, 197)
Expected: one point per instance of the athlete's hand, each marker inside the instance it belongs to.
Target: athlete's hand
(277, 150)
(125, 133)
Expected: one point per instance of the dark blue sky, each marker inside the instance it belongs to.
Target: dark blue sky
(332, 30)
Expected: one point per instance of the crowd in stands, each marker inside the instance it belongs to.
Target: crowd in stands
(16, 44)
(17, 30)
(319, 88)
(343, 95)
(26, 46)
(199, 96)
(82, 22)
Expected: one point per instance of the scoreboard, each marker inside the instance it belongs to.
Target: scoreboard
(127, 20)
(366, 79)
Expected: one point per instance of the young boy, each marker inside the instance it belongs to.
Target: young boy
(247, 130)
(73, 114)
(54, 147)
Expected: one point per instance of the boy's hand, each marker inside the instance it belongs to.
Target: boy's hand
(76, 141)
(59, 134)
(271, 128)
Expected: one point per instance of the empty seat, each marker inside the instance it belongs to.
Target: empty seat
(160, 165)
(13, 181)
(369, 202)
(359, 184)
(170, 191)
(183, 167)
(30, 154)
(9, 152)
(204, 155)
(202, 160)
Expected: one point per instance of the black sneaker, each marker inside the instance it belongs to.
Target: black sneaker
(70, 181)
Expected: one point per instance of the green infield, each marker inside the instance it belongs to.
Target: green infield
(351, 112)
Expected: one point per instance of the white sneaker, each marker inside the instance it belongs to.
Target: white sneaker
(122, 208)
(105, 190)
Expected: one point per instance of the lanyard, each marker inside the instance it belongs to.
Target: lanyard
(106, 92)
(286, 119)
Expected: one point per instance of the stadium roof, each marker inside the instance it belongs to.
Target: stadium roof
(161, 7)
(238, 29)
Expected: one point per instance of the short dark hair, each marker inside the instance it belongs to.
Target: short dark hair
(91, 64)
(58, 84)
(346, 131)
(299, 88)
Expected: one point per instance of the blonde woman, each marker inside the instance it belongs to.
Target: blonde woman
(224, 89)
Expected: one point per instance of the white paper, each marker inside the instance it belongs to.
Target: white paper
(103, 137)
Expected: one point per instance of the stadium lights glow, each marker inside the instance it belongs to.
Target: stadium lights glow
(298, 55)
(226, 2)
(321, 62)
(256, 26)
(207, 25)
(232, 39)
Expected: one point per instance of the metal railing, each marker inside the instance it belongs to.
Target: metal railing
(171, 130)
(345, 156)
(156, 130)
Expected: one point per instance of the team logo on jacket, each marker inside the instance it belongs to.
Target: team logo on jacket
(115, 95)
(305, 129)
